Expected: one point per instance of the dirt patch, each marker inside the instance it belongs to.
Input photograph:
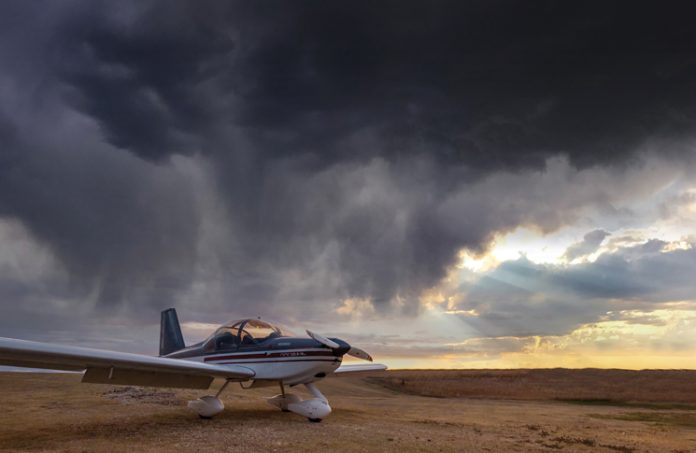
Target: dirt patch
(131, 395)
(686, 419)
(633, 404)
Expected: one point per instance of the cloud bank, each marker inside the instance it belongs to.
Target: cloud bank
(277, 159)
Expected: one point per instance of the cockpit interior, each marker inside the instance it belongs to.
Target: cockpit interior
(243, 333)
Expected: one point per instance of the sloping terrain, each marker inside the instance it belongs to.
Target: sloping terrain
(591, 384)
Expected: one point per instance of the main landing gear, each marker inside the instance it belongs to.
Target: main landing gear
(208, 406)
(314, 408)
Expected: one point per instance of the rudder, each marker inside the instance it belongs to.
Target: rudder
(171, 339)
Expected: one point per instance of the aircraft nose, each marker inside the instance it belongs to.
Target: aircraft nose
(339, 347)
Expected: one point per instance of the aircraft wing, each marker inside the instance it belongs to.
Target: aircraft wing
(344, 370)
(119, 368)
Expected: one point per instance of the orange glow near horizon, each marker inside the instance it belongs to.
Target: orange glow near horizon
(658, 339)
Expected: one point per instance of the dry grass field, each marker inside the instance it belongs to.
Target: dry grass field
(596, 385)
(516, 410)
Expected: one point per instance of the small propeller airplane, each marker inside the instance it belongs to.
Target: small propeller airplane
(248, 351)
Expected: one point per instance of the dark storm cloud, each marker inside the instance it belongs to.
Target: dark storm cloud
(143, 78)
(490, 84)
(487, 84)
(345, 147)
(112, 223)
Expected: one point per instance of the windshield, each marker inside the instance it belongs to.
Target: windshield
(245, 332)
(225, 338)
(255, 331)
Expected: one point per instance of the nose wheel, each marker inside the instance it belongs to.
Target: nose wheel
(314, 408)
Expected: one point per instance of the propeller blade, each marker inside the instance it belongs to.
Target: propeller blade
(323, 340)
(359, 353)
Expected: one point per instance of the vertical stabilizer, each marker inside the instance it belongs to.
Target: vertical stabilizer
(171, 338)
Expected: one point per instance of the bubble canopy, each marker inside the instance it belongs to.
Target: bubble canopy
(244, 332)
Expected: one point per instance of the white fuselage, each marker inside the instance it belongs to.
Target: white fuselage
(296, 366)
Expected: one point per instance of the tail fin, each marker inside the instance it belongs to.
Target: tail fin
(170, 333)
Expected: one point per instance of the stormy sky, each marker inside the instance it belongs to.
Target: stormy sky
(497, 183)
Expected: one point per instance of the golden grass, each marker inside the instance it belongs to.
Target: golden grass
(53, 412)
(586, 385)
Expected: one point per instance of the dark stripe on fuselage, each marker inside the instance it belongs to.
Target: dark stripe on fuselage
(280, 361)
(270, 355)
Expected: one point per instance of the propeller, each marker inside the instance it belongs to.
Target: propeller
(323, 340)
(352, 351)
(359, 353)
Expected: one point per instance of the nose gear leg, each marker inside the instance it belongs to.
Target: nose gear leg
(284, 399)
